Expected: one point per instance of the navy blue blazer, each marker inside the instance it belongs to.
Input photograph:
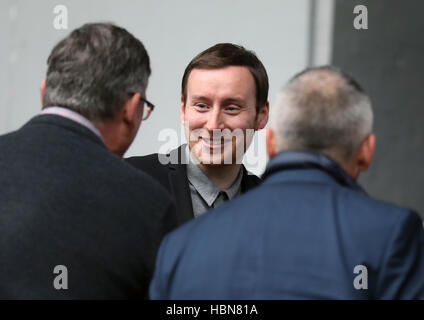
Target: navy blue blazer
(299, 235)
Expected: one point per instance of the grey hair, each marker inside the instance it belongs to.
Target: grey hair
(93, 70)
(322, 109)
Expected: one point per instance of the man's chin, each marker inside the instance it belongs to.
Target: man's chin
(216, 160)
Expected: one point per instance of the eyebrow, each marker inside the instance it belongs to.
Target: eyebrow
(199, 98)
(225, 101)
(235, 101)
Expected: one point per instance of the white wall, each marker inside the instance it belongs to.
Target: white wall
(173, 32)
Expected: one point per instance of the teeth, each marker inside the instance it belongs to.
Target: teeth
(220, 141)
(213, 141)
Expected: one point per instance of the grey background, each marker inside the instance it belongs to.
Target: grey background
(287, 35)
(388, 60)
(173, 32)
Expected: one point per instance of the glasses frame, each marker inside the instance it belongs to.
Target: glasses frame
(150, 106)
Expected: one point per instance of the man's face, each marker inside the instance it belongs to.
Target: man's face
(219, 114)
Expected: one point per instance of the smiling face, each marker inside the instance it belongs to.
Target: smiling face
(219, 110)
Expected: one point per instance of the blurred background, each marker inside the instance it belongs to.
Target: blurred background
(287, 35)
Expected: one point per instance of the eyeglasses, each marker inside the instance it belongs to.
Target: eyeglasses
(147, 111)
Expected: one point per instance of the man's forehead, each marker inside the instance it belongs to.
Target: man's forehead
(225, 72)
(236, 80)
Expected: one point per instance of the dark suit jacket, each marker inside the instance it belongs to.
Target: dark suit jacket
(299, 235)
(66, 200)
(173, 176)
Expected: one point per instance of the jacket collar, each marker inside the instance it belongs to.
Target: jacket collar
(74, 116)
(178, 181)
(299, 159)
(67, 124)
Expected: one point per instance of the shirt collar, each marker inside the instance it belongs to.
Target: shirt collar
(74, 116)
(208, 190)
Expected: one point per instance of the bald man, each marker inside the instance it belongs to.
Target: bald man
(308, 231)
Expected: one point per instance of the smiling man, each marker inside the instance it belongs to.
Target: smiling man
(223, 102)
(309, 231)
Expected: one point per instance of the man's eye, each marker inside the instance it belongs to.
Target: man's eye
(201, 106)
(232, 109)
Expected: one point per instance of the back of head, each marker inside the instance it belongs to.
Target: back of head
(93, 69)
(322, 109)
(224, 55)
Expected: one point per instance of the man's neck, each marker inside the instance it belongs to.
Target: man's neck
(222, 175)
(112, 135)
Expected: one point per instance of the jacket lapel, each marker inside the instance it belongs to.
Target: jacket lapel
(248, 181)
(178, 182)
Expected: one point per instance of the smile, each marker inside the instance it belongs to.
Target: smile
(212, 144)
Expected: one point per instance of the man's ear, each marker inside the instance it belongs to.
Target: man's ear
(132, 112)
(365, 153)
(270, 142)
(262, 117)
(42, 90)
(182, 110)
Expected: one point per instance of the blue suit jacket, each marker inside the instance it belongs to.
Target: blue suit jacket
(299, 235)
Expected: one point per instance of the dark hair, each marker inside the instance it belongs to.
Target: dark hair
(93, 69)
(224, 55)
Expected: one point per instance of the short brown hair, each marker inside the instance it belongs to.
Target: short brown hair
(224, 55)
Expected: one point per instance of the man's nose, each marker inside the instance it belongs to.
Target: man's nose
(215, 120)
